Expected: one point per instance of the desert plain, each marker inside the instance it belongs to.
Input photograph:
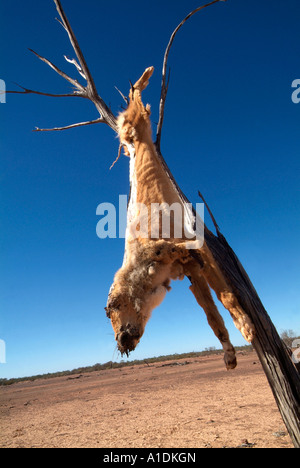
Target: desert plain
(186, 403)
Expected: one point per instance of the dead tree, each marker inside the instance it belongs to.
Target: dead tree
(214, 265)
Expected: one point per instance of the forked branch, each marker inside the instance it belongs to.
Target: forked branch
(91, 88)
(165, 80)
(80, 89)
(67, 127)
(89, 91)
(31, 91)
(79, 69)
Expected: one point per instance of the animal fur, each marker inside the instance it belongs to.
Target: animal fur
(142, 282)
(150, 264)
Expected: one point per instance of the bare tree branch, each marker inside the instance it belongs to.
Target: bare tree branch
(210, 213)
(80, 124)
(31, 91)
(91, 90)
(60, 72)
(78, 67)
(124, 97)
(76, 47)
(165, 82)
(60, 22)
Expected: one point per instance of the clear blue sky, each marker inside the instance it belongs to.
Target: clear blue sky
(231, 130)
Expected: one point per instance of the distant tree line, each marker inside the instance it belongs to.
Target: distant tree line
(287, 336)
(116, 365)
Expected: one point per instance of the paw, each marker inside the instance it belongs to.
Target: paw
(230, 360)
(143, 82)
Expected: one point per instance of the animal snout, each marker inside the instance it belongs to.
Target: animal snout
(127, 338)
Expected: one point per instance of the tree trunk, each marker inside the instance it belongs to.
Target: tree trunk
(282, 374)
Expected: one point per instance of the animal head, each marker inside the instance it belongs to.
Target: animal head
(140, 286)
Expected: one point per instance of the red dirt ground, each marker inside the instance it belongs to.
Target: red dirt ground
(176, 404)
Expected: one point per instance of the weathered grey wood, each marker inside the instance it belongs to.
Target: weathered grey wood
(281, 373)
(87, 92)
(165, 81)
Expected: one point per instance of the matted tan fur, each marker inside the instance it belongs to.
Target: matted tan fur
(150, 264)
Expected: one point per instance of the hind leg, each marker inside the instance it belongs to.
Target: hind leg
(204, 298)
